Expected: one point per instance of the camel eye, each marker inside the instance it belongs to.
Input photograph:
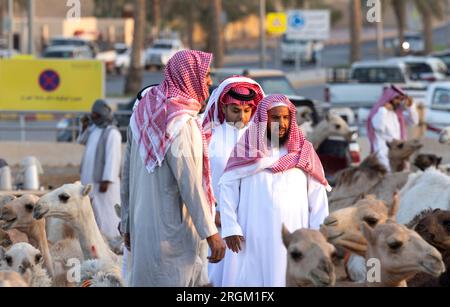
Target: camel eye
(37, 258)
(396, 245)
(296, 255)
(446, 224)
(400, 146)
(64, 197)
(9, 260)
(29, 207)
(338, 127)
(371, 221)
(420, 227)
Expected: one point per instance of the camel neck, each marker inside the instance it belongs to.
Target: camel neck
(91, 240)
(38, 238)
(319, 134)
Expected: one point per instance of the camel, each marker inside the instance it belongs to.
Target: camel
(71, 203)
(309, 259)
(9, 237)
(11, 279)
(444, 137)
(424, 190)
(100, 274)
(331, 125)
(434, 227)
(401, 254)
(400, 152)
(371, 177)
(18, 214)
(425, 161)
(25, 259)
(342, 227)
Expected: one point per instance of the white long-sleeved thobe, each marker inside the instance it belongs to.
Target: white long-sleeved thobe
(223, 140)
(256, 206)
(168, 216)
(103, 203)
(387, 128)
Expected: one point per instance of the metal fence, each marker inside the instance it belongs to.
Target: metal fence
(25, 122)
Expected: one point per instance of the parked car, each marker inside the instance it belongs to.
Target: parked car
(75, 41)
(6, 53)
(160, 53)
(428, 69)
(413, 44)
(68, 52)
(367, 81)
(293, 48)
(123, 61)
(445, 57)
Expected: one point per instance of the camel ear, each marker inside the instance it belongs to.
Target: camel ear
(38, 259)
(395, 206)
(439, 161)
(118, 210)
(389, 145)
(327, 117)
(367, 232)
(86, 190)
(286, 236)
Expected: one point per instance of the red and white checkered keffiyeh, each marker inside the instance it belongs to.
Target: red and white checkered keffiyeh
(162, 112)
(252, 148)
(213, 115)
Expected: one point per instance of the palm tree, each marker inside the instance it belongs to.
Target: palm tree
(135, 75)
(399, 7)
(428, 10)
(216, 33)
(355, 30)
(156, 20)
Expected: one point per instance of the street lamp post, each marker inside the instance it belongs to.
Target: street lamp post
(30, 26)
(262, 33)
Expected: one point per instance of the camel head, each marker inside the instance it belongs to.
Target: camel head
(65, 202)
(310, 258)
(18, 213)
(444, 137)
(434, 227)
(337, 126)
(343, 227)
(20, 257)
(401, 252)
(425, 161)
(304, 115)
(401, 151)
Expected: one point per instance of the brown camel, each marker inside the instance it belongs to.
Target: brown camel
(370, 177)
(343, 227)
(400, 152)
(434, 227)
(309, 259)
(399, 254)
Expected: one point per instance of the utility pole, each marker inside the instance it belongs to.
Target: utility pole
(262, 33)
(10, 27)
(31, 27)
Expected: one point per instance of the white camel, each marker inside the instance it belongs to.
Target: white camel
(331, 125)
(424, 190)
(71, 203)
(25, 260)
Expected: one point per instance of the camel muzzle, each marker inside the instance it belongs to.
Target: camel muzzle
(39, 212)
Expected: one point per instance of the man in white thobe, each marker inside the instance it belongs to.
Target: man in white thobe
(229, 110)
(167, 215)
(101, 166)
(273, 177)
(388, 121)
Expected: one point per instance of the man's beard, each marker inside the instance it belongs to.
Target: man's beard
(281, 141)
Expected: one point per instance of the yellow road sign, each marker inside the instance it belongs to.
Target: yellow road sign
(276, 23)
(57, 85)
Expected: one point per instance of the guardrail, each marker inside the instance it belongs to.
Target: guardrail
(23, 117)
